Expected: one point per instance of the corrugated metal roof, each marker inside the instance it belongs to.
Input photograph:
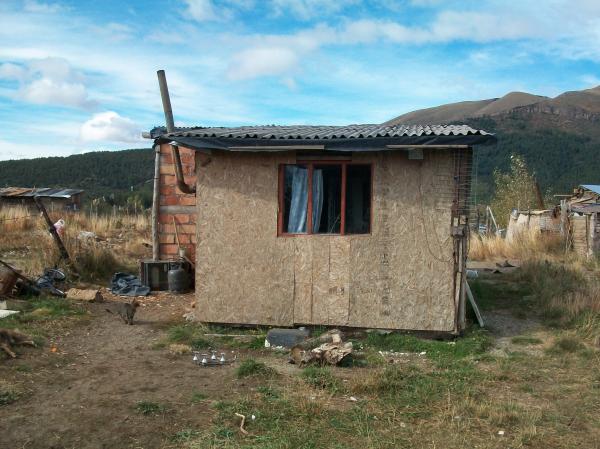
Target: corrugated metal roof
(309, 132)
(334, 138)
(593, 187)
(586, 208)
(28, 192)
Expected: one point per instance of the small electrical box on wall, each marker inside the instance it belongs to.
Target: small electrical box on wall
(155, 273)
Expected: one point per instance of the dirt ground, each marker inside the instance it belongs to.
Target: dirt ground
(84, 395)
(83, 387)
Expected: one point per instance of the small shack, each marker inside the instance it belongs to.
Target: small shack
(545, 221)
(583, 208)
(53, 199)
(361, 226)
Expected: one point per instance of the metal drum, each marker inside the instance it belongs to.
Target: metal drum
(178, 279)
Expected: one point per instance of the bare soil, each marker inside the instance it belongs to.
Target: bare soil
(84, 395)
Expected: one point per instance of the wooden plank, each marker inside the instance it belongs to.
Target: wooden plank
(244, 272)
(303, 271)
(320, 279)
(474, 304)
(338, 298)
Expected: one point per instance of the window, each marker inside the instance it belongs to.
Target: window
(324, 198)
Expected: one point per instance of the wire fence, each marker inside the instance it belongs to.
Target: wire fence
(18, 218)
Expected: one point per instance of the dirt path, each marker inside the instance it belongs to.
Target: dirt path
(85, 394)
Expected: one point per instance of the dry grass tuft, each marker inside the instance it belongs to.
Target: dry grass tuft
(120, 240)
(523, 246)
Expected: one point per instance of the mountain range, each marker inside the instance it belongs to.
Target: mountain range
(558, 137)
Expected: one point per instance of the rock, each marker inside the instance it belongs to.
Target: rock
(84, 295)
(286, 338)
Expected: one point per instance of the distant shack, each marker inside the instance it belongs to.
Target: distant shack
(584, 207)
(54, 199)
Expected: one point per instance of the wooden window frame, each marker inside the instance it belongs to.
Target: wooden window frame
(310, 164)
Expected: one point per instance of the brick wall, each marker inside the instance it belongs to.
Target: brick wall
(174, 204)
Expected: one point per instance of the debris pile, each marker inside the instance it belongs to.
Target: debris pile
(325, 349)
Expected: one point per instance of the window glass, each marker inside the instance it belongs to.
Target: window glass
(358, 199)
(326, 191)
(327, 199)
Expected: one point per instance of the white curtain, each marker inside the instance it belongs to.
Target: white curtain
(299, 202)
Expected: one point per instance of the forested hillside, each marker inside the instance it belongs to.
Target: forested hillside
(115, 175)
(561, 160)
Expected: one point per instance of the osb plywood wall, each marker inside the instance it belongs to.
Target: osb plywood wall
(401, 276)
(176, 209)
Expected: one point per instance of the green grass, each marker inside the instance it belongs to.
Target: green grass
(194, 335)
(198, 397)
(148, 408)
(37, 314)
(43, 309)
(190, 334)
(525, 340)
(416, 388)
(8, 397)
(185, 435)
(251, 367)
(474, 343)
(561, 292)
(9, 393)
(322, 377)
(567, 345)
(504, 292)
(23, 368)
(254, 342)
(269, 393)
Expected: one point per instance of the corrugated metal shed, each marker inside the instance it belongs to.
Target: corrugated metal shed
(592, 187)
(25, 192)
(585, 208)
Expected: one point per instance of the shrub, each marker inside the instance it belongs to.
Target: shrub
(150, 408)
(321, 377)
(568, 344)
(251, 367)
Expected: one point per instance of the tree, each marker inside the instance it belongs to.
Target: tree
(513, 190)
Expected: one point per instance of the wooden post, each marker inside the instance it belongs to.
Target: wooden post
(539, 196)
(64, 254)
(563, 218)
(155, 204)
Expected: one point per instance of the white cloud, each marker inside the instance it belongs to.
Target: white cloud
(40, 7)
(308, 9)
(48, 91)
(202, 10)
(262, 61)
(113, 31)
(110, 127)
(212, 11)
(50, 81)
(590, 80)
(9, 71)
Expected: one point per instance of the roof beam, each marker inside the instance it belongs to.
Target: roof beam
(277, 147)
(410, 147)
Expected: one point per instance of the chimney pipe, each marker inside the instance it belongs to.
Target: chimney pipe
(166, 101)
